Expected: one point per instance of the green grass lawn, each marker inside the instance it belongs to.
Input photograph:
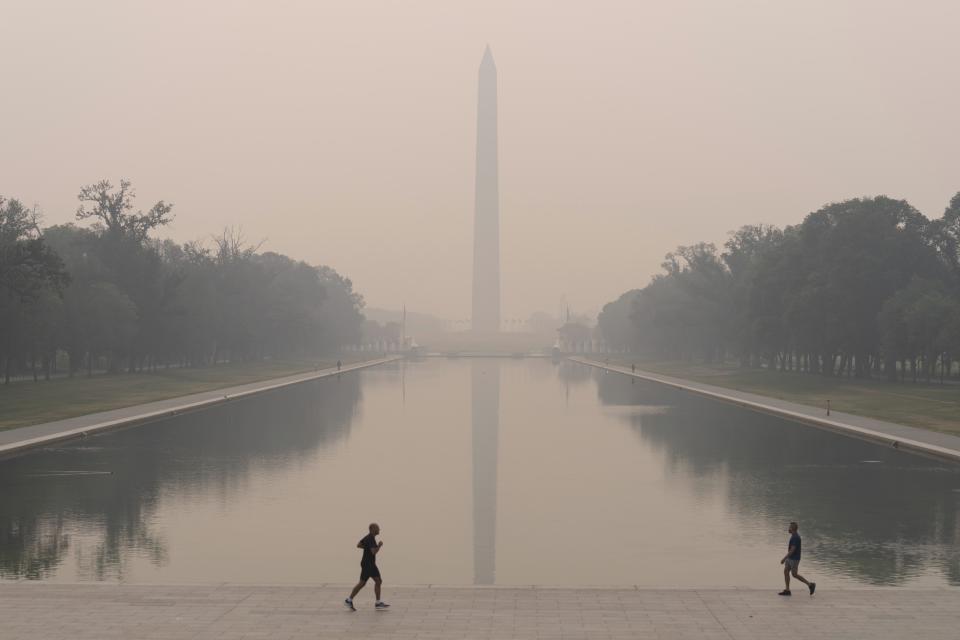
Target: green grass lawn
(928, 406)
(26, 403)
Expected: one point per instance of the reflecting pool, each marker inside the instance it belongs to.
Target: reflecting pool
(479, 471)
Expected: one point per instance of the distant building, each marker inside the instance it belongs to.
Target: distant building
(486, 221)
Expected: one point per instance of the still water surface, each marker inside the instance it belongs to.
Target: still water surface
(480, 471)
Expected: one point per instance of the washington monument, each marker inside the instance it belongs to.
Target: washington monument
(486, 216)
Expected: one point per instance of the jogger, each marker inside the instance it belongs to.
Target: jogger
(368, 568)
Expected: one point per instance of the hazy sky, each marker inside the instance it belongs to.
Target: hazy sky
(343, 132)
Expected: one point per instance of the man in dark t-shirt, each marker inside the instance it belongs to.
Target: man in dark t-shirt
(791, 561)
(368, 568)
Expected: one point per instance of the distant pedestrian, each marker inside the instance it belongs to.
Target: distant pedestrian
(368, 568)
(791, 562)
(339, 364)
(633, 368)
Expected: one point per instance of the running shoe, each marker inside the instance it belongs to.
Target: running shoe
(813, 587)
(348, 603)
(785, 592)
(380, 606)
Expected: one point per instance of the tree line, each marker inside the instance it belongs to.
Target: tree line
(109, 296)
(864, 287)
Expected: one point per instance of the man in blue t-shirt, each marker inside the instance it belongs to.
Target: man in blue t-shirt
(791, 562)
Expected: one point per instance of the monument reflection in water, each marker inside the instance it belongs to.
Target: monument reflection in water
(485, 423)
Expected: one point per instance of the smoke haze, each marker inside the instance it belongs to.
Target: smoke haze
(343, 132)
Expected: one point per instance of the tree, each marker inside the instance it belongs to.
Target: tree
(919, 325)
(29, 270)
(112, 210)
(944, 234)
(706, 304)
(756, 302)
(821, 296)
(616, 324)
(151, 302)
(342, 312)
(124, 248)
(27, 264)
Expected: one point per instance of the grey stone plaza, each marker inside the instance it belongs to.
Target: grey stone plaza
(33, 611)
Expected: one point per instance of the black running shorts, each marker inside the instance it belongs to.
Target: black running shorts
(369, 572)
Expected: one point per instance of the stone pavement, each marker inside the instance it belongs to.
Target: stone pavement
(931, 443)
(13, 441)
(40, 611)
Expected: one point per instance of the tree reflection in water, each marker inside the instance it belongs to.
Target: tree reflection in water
(876, 514)
(108, 487)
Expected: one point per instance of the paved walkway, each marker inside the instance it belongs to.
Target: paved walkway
(932, 443)
(37, 611)
(16, 440)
